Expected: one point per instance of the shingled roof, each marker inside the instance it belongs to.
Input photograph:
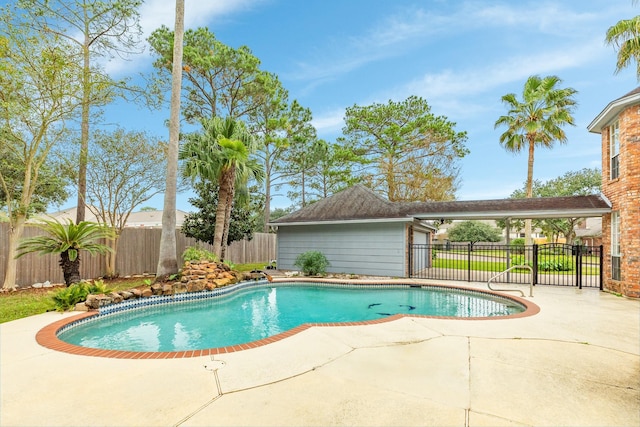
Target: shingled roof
(354, 203)
(359, 203)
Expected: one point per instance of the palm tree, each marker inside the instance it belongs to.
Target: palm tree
(221, 154)
(625, 37)
(67, 240)
(167, 260)
(537, 120)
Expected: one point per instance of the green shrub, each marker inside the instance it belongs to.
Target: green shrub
(547, 263)
(196, 253)
(66, 298)
(555, 263)
(312, 263)
(97, 287)
(517, 245)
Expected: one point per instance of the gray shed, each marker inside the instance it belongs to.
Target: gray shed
(357, 230)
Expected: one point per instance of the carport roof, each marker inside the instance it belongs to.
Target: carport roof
(359, 204)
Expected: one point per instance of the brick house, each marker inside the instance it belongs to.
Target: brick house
(619, 127)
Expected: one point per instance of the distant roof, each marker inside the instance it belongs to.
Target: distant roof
(613, 109)
(359, 204)
(136, 219)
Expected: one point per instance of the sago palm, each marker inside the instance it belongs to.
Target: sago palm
(67, 240)
(537, 120)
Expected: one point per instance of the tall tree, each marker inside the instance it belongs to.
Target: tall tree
(404, 149)
(280, 125)
(49, 189)
(302, 160)
(536, 121)
(37, 94)
(218, 79)
(333, 172)
(473, 232)
(125, 170)
(624, 36)
(98, 29)
(167, 259)
(221, 154)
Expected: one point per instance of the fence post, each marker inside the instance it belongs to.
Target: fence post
(534, 260)
(411, 249)
(469, 246)
(601, 267)
(578, 251)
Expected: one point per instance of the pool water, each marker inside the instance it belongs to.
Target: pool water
(259, 312)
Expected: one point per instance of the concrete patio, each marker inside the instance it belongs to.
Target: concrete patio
(576, 363)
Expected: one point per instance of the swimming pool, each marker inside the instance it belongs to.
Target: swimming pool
(261, 311)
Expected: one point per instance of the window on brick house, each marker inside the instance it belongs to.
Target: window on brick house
(614, 148)
(615, 245)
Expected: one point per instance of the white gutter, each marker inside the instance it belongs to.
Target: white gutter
(343, 221)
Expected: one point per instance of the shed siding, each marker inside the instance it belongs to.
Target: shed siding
(372, 249)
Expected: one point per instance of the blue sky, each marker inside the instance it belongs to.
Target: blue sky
(461, 56)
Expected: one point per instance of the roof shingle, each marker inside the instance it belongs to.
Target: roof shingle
(361, 203)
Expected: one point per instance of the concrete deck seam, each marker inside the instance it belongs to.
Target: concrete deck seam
(197, 411)
(559, 341)
(299, 374)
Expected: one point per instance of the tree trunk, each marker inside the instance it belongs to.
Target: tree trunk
(527, 222)
(223, 197)
(167, 260)
(267, 200)
(84, 133)
(70, 269)
(16, 228)
(111, 257)
(227, 220)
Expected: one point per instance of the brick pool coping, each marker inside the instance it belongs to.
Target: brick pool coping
(48, 336)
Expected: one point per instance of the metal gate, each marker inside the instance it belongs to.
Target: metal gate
(552, 264)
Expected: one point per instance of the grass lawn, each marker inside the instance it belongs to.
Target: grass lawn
(28, 302)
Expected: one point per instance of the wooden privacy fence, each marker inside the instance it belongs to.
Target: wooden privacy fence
(138, 251)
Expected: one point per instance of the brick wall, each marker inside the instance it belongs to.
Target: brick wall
(624, 195)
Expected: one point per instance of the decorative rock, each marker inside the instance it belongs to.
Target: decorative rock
(222, 282)
(94, 302)
(81, 306)
(116, 297)
(196, 285)
(195, 277)
(37, 285)
(179, 288)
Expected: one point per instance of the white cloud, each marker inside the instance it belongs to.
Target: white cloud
(329, 122)
(412, 27)
(478, 80)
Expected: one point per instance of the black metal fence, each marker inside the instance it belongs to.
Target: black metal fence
(552, 264)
